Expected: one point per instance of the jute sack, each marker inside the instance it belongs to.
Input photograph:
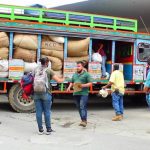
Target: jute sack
(53, 53)
(26, 55)
(76, 47)
(57, 39)
(26, 41)
(76, 59)
(4, 53)
(56, 63)
(47, 44)
(77, 87)
(4, 40)
(78, 54)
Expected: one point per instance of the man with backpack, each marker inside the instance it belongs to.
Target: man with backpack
(42, 94)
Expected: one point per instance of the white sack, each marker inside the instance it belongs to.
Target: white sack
(29, 67)
(3, 74)
(96, 57)
(3, 65)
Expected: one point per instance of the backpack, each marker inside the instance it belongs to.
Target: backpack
(27, 85)
(27, 79)
(40, 84)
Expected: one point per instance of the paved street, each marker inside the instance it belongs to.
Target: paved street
(19, 131)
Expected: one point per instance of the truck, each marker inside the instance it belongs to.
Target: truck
(73, 34)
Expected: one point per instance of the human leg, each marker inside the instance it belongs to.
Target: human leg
(39, 110)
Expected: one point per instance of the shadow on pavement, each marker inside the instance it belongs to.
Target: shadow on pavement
(95, 102)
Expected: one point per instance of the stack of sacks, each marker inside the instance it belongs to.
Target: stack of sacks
(25, 47)
(4, 44)
(3, 68)
(53, 48)
(78, 50)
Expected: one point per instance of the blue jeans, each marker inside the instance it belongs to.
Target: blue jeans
(81, 103)
(43, 104)
(103, 66)
(117, 102)
(148, 99)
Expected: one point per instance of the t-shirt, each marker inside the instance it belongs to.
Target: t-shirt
(50, 74)
(83, 78)
(117, 79)
(147, 83)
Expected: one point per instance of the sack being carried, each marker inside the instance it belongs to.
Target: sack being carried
(96, 57)
(77, 87)
(40, 80)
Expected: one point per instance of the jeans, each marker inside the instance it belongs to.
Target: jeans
(81, 103)
(43, 104)
(103, 66)
(148, 99)
(117, 102)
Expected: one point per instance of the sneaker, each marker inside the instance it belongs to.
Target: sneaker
(117, 118)
(83, 123)
(48, 131)
(41, 131)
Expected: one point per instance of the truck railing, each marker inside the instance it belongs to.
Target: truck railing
(42, 15)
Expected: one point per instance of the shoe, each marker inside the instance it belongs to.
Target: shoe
(121, 116)
(48, 131)
(117, 118)
(83, 123)
(41, 131)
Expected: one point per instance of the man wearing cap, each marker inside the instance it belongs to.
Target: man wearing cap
(81, 82)
(103, 55)
(147, 83)
(116, 82)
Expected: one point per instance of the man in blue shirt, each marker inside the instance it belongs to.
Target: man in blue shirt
(147, 83)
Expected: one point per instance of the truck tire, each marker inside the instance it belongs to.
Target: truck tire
(18, 103)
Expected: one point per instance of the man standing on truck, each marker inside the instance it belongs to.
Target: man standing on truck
(116, 82)
(103, 63)
(147, 83)
(81, 81)
(42, 94)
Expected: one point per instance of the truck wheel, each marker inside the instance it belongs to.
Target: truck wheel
(18, 103)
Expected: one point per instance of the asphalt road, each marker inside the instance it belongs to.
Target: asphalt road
(19, 131)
